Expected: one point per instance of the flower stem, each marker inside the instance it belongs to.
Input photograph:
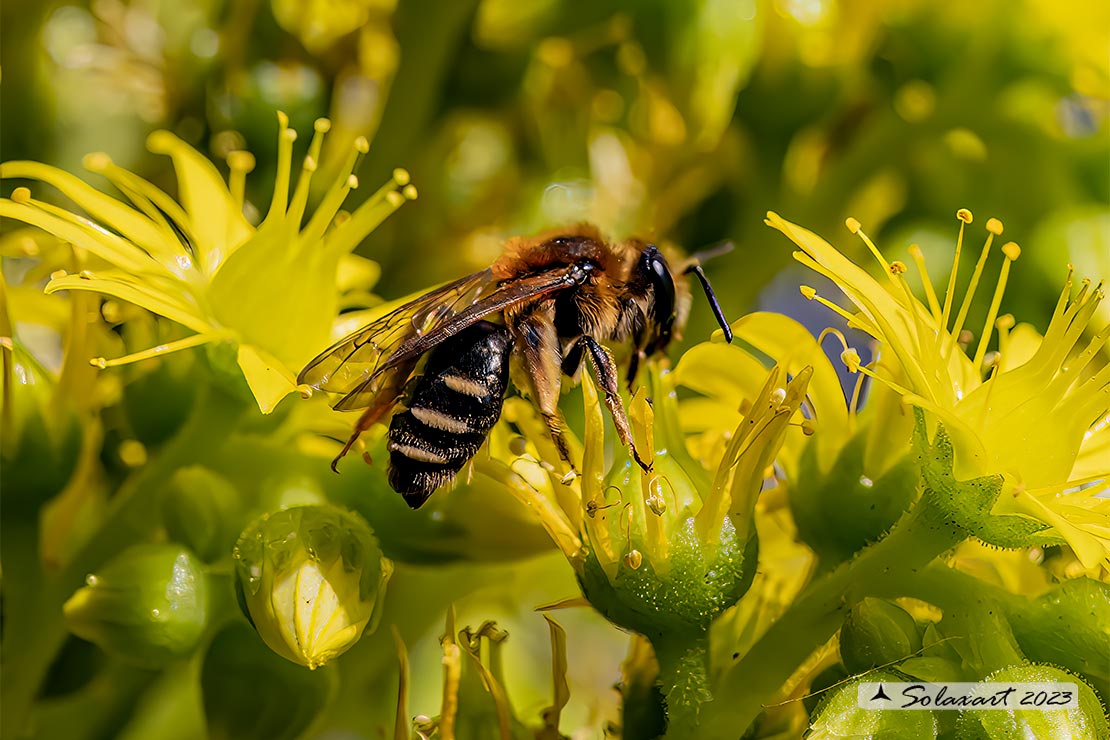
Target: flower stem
(35, 630)
(919, 537)
(684, 675)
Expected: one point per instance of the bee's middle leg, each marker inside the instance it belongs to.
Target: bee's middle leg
(536, 338)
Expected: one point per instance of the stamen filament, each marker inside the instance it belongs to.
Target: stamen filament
(280, 199)
(195, 340)
(923, 271)
(993, 227)
(337, 193)
(311, 160)
(377, 208)
(811, 295)
(240, 164)
(964, 216)
(1012, 252)
(854, 227)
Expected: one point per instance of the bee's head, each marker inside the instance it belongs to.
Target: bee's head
(656, 272)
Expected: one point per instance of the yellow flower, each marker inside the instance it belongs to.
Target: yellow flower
(268, 291)
(1038, 417)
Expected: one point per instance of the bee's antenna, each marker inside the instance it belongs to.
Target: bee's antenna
(695, 268)
(717, 250)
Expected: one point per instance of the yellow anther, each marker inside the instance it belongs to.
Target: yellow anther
(897, 268)
(634, 559)
(778, 396)
(1011, 250)
(96, 161)
(852, 224)
(808, 292)
(352, 182)
(289, 135)
(409, 191)
(240, 160)
(309, 164)
(1005, 321)
(21, 195)
(994, 226)
(362, 145)
(851, 359)
(809, 426)
(964, 215)
(915, 252)
(395, 199)
(133, 453)
(99, 362)
(322, 125)
(965, 337)
(401, 177)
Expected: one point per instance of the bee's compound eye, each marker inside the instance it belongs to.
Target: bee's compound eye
(659, 275)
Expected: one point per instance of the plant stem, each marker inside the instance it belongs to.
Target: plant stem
(34, 634)
(684, 676)
(814, 617)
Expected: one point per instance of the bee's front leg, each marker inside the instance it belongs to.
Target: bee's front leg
(607, 379)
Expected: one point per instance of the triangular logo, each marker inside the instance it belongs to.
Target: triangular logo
(880, 694)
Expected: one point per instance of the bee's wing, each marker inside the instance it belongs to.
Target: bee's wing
(378, 358)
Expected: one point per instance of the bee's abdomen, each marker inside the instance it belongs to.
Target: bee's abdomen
(452, 407)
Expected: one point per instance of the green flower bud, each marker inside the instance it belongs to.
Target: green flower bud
(1068, 627)
(840, 716)
(40, 438)
(840, 511)
(238, 670)
(310, 579)
(821, 683)
(1088, 720)
(877, 633)
(200, 510)
(148, 606)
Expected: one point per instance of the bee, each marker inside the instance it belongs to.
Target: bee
(540, 310)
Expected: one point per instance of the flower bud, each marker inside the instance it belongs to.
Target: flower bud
(877, 633)
(238, 670)
(309, 579)
(839, 511)
(148, 606)
(840, 716)
(1083, 604)
(40, 438)
(199, 509)
(1088, 720)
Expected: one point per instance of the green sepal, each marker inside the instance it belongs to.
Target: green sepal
(703, 580)
(968, 504)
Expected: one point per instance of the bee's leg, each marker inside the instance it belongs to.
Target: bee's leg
(535, 336)
(365, 421)
(572, 362)
(606, 371)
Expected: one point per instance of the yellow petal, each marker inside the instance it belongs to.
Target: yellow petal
(793, 347)
(129, 222)
(216, 220)
(150, 294)
(96, 240)
(269, 380)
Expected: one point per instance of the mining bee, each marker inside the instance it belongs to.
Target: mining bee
(544, 305)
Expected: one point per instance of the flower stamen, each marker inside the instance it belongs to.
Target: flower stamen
(855, 227)
(1011, 251)
(196, 340)
(930, 294)
(811, 295)
(994, 227)
(965, 218)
